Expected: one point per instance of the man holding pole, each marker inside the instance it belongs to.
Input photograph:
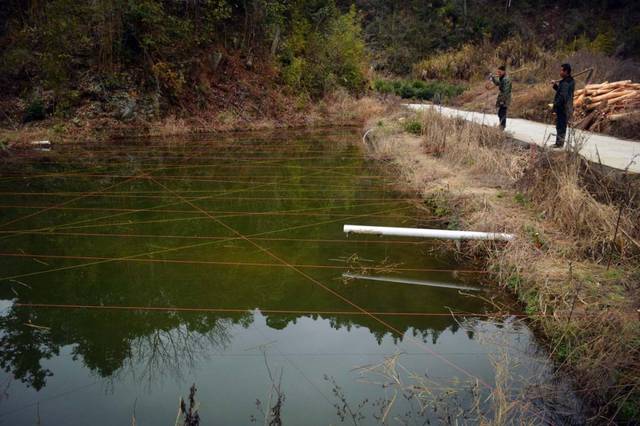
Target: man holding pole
(563, 103)
(504, 96)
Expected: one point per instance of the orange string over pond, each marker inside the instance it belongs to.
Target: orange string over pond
(248, 264)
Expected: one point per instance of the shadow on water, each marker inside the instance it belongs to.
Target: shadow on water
(131, 271)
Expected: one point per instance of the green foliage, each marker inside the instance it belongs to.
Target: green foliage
(438, 203)
(59, 128)
(35, 111)
(417, 89)
(603, 42)
(475, 60)
(414, 127)
(521, 199)
(317, 59)
(514, 281)
(460, 64)
(632, 40)
(536, 237)
(630, 409)
(346, 51)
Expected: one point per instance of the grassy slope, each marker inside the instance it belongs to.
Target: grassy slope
(558, 264)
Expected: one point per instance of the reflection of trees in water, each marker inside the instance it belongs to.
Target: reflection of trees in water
(427, 329)
(172, 352)
(151, 345)
(22, 348)
(148, 344)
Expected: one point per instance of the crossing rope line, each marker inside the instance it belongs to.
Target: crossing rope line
(204, 178)
(266, 311)
(132, 159)
(335, 293)
(39, 212)
(13, 232)
(212, 237)
(229, 192)
(197, 245)
(454, 314)
(45, 209)
(158, 194)
(74, 225)
(184, 164)
(86, 171)
(315, 212)
(258, 164)
(229, 263)
(255, 149)
(298, 269)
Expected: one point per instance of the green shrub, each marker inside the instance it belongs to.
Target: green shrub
(35, 111)
(316, 59)
(522, 199)
(413, 127)
(474, 61)
(460, 64)
(417, 89)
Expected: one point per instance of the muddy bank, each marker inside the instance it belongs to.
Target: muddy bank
(574, 262)
(336, 109)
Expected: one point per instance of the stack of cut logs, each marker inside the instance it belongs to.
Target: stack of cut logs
(598, 105)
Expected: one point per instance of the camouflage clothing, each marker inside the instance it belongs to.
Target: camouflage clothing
(504, 85)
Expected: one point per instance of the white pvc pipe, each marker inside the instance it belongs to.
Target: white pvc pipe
(397, 280)
(426, 233)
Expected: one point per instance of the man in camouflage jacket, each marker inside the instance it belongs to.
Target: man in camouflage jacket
(504, 96)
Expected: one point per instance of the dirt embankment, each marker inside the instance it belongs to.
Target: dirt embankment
(337, 109)
(574, 264)
(228, 96)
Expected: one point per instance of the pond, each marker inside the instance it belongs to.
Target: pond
(132, 270)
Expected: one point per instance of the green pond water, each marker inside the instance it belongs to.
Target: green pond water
(130, 271)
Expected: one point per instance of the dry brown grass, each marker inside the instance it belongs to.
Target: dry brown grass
(336, 109)
(531, 91)
(558, 264)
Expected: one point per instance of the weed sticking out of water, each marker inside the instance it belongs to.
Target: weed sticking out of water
(271, 412)
(358, 266)
(346, 410)
(188, 414)
(414, 397)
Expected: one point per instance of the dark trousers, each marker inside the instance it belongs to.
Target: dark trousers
(502, 115)
(561, 127)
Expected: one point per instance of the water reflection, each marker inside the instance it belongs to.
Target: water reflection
(152, 345)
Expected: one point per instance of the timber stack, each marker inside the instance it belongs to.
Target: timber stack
(599, 105)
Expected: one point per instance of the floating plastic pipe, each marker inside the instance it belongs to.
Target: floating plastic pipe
(398, 280)
(427, 233)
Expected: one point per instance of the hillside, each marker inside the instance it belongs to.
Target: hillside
(154, 66)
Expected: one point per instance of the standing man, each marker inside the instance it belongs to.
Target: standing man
(504, 96)
(563, 102)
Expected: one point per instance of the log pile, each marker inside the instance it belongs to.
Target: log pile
(598, 105)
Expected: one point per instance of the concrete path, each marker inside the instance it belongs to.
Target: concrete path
(613, 152)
